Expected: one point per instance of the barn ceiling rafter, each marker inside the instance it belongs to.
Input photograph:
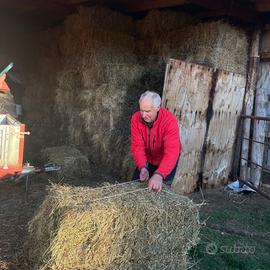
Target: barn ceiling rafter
(51, 12)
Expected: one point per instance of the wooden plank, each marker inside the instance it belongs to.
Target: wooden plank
(265, 56)
(265, 44)
(249, 99)
(263, 6)
(240, 14)
(186, 93)
(227, 105)
(227, 8)
(136, 6)
(259, 130)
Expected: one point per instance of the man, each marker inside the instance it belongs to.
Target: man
(155, 142)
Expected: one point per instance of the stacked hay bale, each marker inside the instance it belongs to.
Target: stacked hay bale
(112, 227)
(154, 46)
(154, 29)
(7, 104)
(215, 44)
(73, 163)
(99, 65)
(167, 34)
(99, 62)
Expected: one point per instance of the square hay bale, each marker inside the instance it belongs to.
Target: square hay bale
(158, 23)
(215, 44)
(102, 17)
(7, 104)
(73, 163)
(122, 226)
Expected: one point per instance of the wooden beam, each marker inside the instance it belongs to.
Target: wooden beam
(263, 6)
(265, 56)
(242, 15)
(248, 108)
(136, 6)
(77, 2)
(226, 8)
(212, 5)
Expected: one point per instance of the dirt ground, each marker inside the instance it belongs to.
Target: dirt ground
(17, 207)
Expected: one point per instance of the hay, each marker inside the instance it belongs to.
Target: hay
(88, 31)
(85, 228)
(153, 33)
(100, 64)
(158, 23)
(7, 104)
(73, 163)
(215, 44)
(111, 21)
(100, 61)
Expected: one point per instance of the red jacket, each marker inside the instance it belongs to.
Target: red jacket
(159, 145)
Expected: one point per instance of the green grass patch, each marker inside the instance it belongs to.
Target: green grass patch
(219, 249)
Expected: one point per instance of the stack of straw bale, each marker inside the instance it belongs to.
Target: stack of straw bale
(153, 43)
(73, 163)
(167, 34)
(215, 44)
(100, 64)
(100, 61)
(113, 227)
(7, 104)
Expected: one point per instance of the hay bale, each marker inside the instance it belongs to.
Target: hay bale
(215, 44)
(73, 163)
(86, 228)
(89, 31)
(7, 104)
(99, 65)
(154, 30)
(158, 23)
(96, 108)
(111, 21)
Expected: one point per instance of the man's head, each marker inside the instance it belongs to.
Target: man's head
(149, 106)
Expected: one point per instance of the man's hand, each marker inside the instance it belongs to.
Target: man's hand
(155, 183)
(144, 174)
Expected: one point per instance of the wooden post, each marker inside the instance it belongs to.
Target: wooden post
(249, 98)
(259, 127)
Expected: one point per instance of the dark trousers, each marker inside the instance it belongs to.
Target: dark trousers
(152, 168)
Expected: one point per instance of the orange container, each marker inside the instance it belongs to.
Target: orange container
(3, 85)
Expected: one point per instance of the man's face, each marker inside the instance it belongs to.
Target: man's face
(148, 112)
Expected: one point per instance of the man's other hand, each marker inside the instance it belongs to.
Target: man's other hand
(155, 183)
(144, 174)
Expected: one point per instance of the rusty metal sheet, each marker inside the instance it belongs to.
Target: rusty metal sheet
(186, 94)
(227, 105)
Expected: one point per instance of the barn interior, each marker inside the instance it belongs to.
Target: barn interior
(80, 67)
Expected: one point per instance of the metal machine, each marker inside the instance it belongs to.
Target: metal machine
(12, 133)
